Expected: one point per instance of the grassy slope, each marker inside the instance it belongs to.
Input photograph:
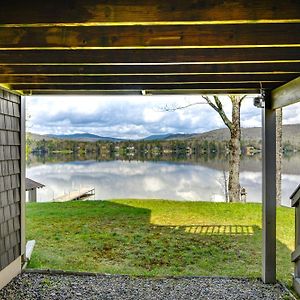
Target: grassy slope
(136, 237)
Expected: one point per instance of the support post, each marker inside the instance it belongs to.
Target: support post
(295, 199)
(269, 192)
(23, 166)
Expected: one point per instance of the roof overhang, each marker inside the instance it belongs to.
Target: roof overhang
(126, 47)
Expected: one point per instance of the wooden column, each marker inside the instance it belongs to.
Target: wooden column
(269, 193)
(23, 171)
(295, 198)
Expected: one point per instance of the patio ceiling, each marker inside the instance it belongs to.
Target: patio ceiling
(124, 47)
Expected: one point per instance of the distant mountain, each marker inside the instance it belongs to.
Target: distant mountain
(157, 137)
(83, 137)
(169, 136)
(74, 136)
(291, 133)
(180, 136)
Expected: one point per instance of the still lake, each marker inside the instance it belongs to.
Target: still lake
(191, 179)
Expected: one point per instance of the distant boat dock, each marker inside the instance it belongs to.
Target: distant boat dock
(80, 194)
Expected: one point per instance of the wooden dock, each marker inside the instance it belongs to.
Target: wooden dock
(80, 194)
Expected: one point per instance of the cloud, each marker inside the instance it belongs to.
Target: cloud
(135, 116)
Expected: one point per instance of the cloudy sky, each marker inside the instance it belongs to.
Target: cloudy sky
(134, 116)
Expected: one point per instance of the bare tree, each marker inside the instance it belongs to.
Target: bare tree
(234, 126)
(223, 181)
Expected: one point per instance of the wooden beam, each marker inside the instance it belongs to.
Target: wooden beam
(197, 36)
(286, 94)
(269, 194)
(112, 70)
(151, 56)
(143, 86)
(280, 78)
(138, 92)
(114, 11)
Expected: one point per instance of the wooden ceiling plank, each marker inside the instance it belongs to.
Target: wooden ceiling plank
(151, 56)
(226, 35)
(6, 79)
(113, 70)
(129, 11)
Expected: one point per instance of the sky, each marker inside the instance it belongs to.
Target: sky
(135, 117)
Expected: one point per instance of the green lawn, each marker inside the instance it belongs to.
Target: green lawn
(155, 237)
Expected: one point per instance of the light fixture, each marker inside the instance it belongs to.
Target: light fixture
(259, 101)
(146, 93)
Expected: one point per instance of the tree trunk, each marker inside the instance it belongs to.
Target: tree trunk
(278, 155)
(235, 151)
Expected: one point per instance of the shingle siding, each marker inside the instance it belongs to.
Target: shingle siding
(10, 234)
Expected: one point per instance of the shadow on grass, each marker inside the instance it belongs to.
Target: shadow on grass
(215, 229)
(110, 237)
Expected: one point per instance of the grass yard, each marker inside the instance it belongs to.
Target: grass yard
(155, 237)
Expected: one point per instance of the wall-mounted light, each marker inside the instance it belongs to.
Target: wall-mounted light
(146, 93)
(259, 101)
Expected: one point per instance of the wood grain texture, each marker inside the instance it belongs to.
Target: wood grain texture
(73, 70)
(145, 86)
(57, 92)
(286, 94)
(151, 36)
(6, 79)
(57, 11)
(150, 56)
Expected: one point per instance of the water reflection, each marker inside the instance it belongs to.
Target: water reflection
(180, 179)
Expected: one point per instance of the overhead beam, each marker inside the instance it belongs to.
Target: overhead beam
(197, 36)
(139, 92)
(143, 86)
(151, 56)
(286, 94)
(280, 78)
(152, 11)
(112, 70)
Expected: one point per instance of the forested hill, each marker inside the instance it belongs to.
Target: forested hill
(80, 137)
(291, 134)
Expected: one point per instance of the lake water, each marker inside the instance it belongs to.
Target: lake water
(185, 179)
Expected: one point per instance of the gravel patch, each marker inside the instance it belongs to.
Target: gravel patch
(109, 287)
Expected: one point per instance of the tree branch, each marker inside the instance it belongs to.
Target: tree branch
(211, 103)
(243, 98)
(218, 107)
(167, 108)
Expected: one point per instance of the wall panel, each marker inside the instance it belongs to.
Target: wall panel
(10, 181)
